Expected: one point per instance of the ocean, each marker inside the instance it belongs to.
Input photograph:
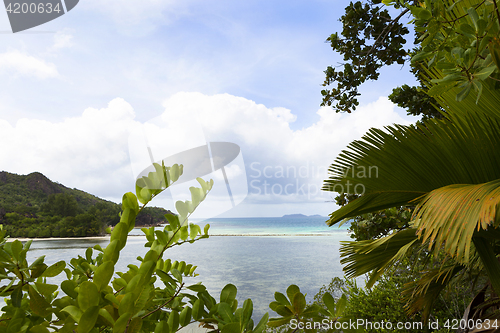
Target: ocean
(258, 255)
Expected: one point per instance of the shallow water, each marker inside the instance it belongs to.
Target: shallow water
(257, 265)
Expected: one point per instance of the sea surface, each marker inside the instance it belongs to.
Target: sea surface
(258, 255)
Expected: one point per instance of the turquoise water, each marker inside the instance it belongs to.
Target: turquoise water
(258, 265)
(264, 226)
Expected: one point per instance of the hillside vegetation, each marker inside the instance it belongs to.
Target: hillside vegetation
(34, 206)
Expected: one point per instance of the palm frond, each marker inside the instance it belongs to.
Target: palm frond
(376, 256)
(449, 216)
(403, 163)
(422, 293)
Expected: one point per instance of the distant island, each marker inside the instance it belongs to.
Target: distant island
(294, 216)
(34, 206)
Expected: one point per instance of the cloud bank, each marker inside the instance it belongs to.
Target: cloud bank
(92, 151)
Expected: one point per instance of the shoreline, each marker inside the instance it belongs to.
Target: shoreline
(106, 237)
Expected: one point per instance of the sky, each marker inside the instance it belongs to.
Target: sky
(90, 98)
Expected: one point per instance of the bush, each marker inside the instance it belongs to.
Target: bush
(151, 296)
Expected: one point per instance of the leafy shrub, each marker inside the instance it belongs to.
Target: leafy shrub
(152, 296)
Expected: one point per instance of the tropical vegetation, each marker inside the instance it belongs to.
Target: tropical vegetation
(447, 169)
(151, 296)
(33, 206)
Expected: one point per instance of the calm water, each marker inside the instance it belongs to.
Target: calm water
(258, 265)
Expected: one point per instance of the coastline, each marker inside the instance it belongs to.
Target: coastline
(214, 235)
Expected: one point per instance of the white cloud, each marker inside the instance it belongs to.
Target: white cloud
(88, 152)
(63, 39)
(91, 151)
(20, 63)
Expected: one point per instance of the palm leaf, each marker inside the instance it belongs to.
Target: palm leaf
(422, 293)
(376, 256)
(411, 161)
(449, 216)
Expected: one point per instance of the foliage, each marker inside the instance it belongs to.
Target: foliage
(461, 39)
(376, 224)
(33, 206)
(98, 299)
(458, 38)
(423, 166)
(371, 38)
(296, 315)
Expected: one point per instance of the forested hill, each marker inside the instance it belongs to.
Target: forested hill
(34, 206)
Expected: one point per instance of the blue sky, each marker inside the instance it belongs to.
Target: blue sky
(75, 93)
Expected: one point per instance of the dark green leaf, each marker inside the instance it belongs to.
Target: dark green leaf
(228, 294)
(88, 319)
(54, 269)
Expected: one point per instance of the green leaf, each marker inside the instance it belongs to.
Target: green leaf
(162, 237)
(299, 303)
(281, 298)
(439, 89)
(185, 316)
(126, 304)
(184, 233)
(88, 295)
(196, 288)
(197, 311)
(135, 325)
(46, 289)
(17, 296)
(177, 275)
(225, 311)
(275, 322)
(173, 321)
(175, 172)
(464, 92)
(38, 304)
(88, 319)
(282, 310)
(121, 323)
(261, 326)
(162, 327)
(484, 73)
(194, 230)
(120, 233)
(181, 267)
(182, 209)
(329, 302)
(16, 249)
(291, 291)
(419, 56)
(231, 328)
(107, 316)
(424, 14)
(103, 274)
(228, 294)
(129, 200)
(173, 220)
(467, 29)
(197, 195)
(246, 315)
(341, 304)
(68, 286)
(54, 269)
(474, 17)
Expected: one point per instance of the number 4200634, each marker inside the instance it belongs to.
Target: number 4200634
(24, 8)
